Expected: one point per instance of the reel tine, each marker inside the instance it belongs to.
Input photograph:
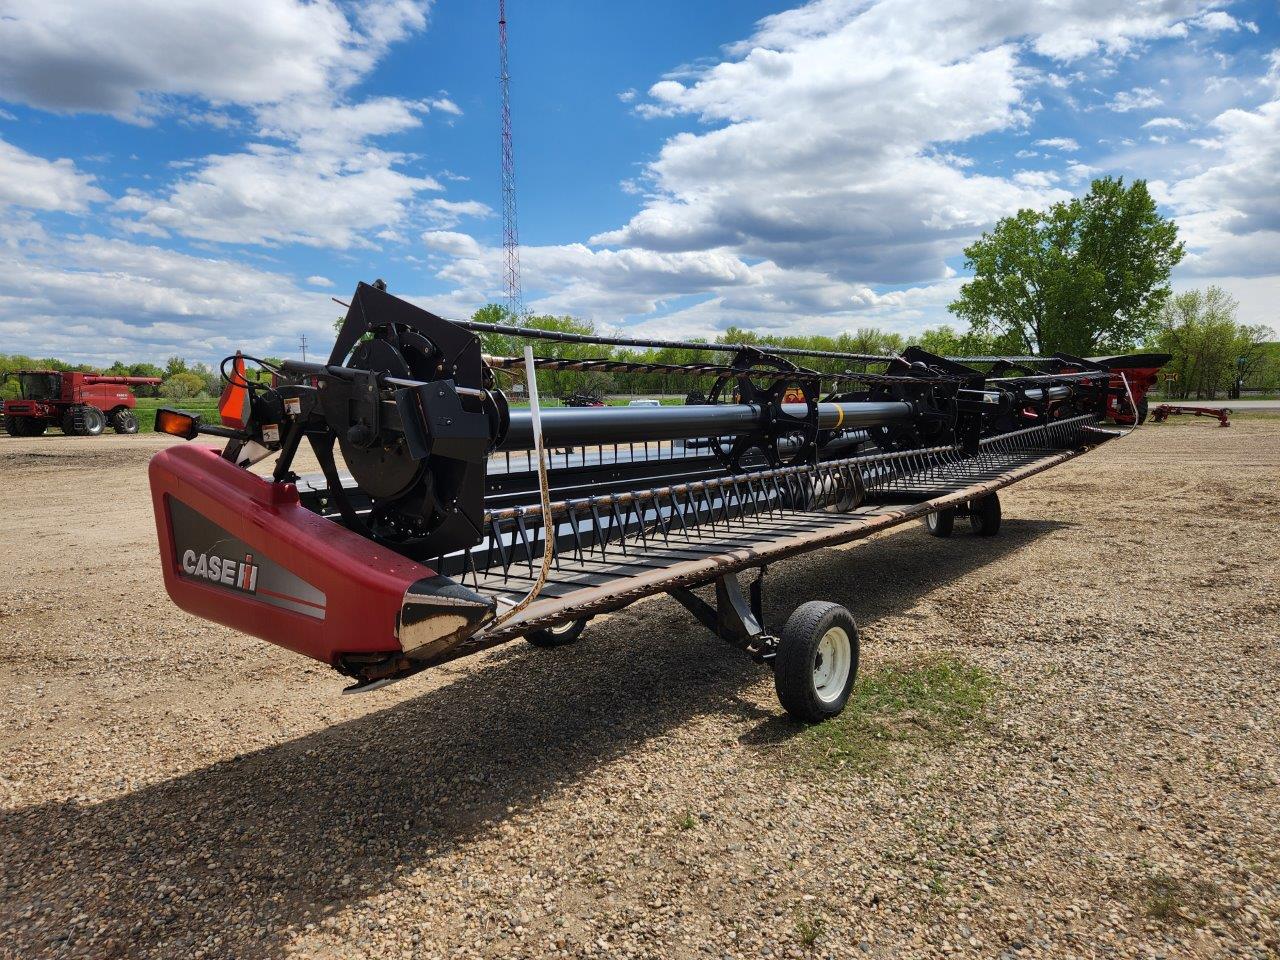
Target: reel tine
(633, 504)
(618, 523)
(523, 531)
(601, 536)
(679, 511)
(496, 539)
(572, 516)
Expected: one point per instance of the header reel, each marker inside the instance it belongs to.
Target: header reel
(407, 400)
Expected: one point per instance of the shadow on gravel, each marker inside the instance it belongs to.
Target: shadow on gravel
(230, 857)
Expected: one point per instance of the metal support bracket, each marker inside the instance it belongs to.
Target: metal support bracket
(736, 618)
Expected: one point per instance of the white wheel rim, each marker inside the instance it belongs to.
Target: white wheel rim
(562, 629)
(832, 664)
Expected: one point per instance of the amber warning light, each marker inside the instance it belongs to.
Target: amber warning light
(177, 424)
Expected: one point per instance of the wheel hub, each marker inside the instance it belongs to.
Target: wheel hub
(831, 664)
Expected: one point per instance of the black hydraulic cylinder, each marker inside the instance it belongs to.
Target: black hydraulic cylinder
(565, 426)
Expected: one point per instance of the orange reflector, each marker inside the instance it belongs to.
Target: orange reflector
(233, 405)
(177, 424)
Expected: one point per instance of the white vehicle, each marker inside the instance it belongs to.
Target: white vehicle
(645, 402)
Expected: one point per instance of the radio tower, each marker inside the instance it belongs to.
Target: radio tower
(510, 233)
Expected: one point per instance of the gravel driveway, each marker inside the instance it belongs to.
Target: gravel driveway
(169, 788)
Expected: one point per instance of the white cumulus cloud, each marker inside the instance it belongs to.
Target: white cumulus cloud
(1065, 144)
(1229, 213)
(1165, 123)
(123, 56)
(27, 180)
(98, 299)
(274, 195)
(1139, 98)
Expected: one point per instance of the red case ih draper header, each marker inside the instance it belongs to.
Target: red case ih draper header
(440, 523)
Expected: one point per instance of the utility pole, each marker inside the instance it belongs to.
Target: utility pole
(302, 342)
(510, 233)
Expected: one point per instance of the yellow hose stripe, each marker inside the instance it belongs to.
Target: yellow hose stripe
(840, 415)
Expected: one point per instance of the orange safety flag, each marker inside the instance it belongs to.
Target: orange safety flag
(233, 405)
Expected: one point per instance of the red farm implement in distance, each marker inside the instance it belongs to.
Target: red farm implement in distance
(1132, 376)
(81, 404)
(457, 523)
(1166, 410)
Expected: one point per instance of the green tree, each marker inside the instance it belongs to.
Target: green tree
(146, 370)
(212, 378)
(945, 341)
(1209, 348)
(182, 386)
(551, 383)
(1086, 275)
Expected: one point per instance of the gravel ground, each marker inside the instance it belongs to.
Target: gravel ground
(169, 788)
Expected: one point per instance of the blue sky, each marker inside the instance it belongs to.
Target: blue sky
(192, 176)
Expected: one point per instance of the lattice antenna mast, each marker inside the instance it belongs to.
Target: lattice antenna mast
(510, 232)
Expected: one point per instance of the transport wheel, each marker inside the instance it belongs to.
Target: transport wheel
(940, 523)
(558, 636)
(817, 661)
(984, 516)
(123, 421)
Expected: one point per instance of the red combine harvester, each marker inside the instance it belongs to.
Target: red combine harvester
(82, 404)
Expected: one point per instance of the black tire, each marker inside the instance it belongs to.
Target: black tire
(123, 421)
(558, 636)
(940, 523)
(1142, 410)
(95, 421)
(984, 515)
(797, 666)
(23, 426)
(84, 422)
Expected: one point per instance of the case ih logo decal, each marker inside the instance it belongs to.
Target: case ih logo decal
(242, 575)
(206, 554)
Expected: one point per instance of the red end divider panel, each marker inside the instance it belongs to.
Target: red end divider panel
(242, 551)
